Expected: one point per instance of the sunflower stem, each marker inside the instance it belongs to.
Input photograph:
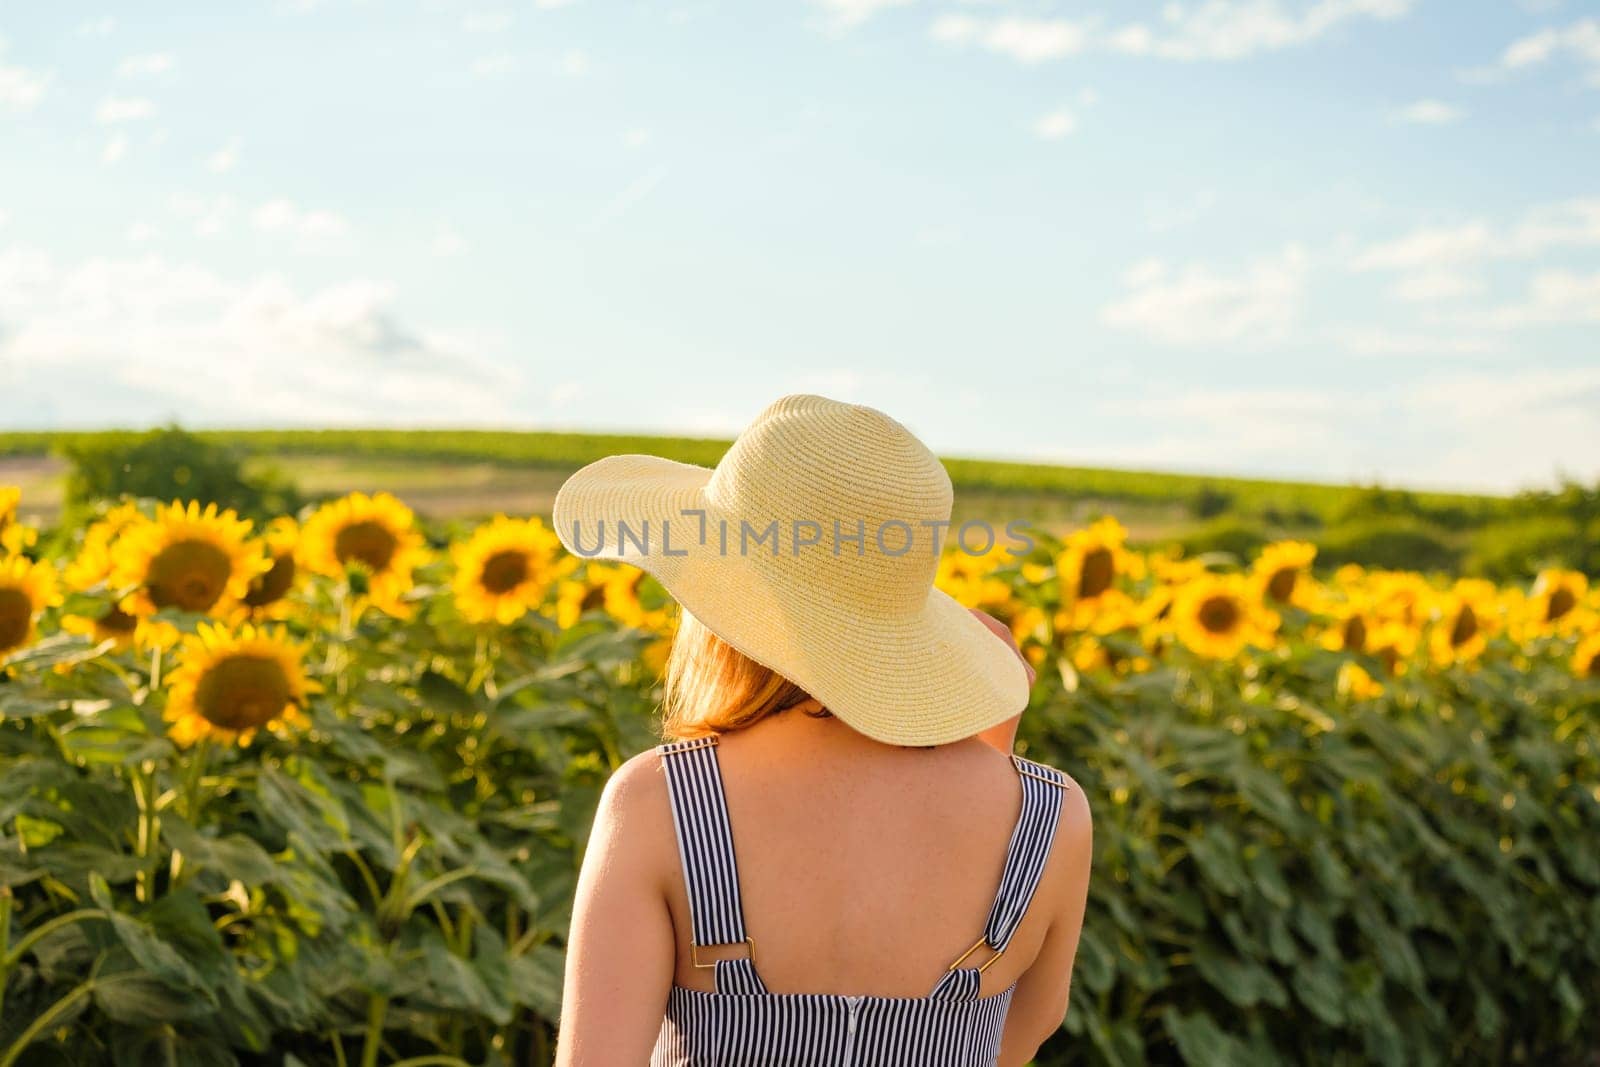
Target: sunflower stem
(194, 774)
(377, 1007)
(6, 901)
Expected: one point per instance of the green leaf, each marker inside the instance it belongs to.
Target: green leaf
(1201, 1041)
(1216, 851)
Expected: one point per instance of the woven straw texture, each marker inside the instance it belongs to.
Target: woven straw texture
(857, 624)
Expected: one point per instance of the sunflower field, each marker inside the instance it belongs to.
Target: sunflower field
(315, 792)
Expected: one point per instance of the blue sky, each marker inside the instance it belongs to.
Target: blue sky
(1330, 239)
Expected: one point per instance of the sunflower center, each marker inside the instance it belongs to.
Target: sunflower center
(1389, 656)
(594, 598)
(16, 613)
(1355, 633)
(1281, 584)
(504, 571)
(1594, 666)
(367, 542)
(189, 574)
(116, 621)
(1219, 614)
(273, 584)
(1097, 573)
(242, 692)
(1561, 601)
(1465, 628)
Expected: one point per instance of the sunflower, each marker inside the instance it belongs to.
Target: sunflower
(113, 624)
(970, 580)
(505, 568)
(1392, 644)
(1356, 684)
(1586, 657)
(1348, 629)
(93, 564)
(1556, 603)
(635, 600)
(230, 683)
(1463, 619)
(270, 589)
(1091, 560)
(1282, 571)
(186, 558)
(577, 596)
(26, 588)
(376, 534)
(1400, 596)
(1218, 615)
(14, 537)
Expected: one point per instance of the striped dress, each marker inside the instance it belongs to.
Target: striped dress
(742, 1024)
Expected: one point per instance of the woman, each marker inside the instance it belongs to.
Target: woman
(835, 859)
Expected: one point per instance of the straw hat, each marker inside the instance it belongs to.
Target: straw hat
(810, 548)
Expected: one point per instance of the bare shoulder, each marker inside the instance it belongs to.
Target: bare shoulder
(635, 814)
(1074, 839)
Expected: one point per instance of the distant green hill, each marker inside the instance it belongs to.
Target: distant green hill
(1295, 502)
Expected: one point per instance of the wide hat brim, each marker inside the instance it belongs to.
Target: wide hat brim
(927, 676)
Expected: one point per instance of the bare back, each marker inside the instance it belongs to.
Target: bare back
(865, 870)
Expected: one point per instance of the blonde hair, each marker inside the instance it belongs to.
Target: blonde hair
(710, 687)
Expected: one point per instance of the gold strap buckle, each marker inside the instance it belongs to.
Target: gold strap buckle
(982, 943)
(694, 952)
(1028, 772)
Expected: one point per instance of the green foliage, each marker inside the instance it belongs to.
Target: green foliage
(1398, 544)
(1235, 538)
(568, 451)
(168, 464)
(1280, 880)
(1520, 548)
(1207, 502)
(394, 883)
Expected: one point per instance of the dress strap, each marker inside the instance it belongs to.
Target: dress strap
(705, 847)
(1043, 789)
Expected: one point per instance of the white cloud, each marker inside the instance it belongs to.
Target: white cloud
(636, 191)
(1382, 341)
(150, 63)
(495, 66)
(225, 158)
(115, 148)
(1198, 304)
(447, 242)
(487, 22)
(1026, 40)
(115, 109)
(1506, 429)
(1554, 297)
(1581, 40)
(1055, 125)
(847, 14)
(636, 138)
(191, 340)
(1435, 285)
(1234, 29)
(209, 216)
(312, 229)
(575, 64)
(1429, 113)
(20, 89)
(5, 217)
(1565, 224)
(142, 232)
(1428, 248)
